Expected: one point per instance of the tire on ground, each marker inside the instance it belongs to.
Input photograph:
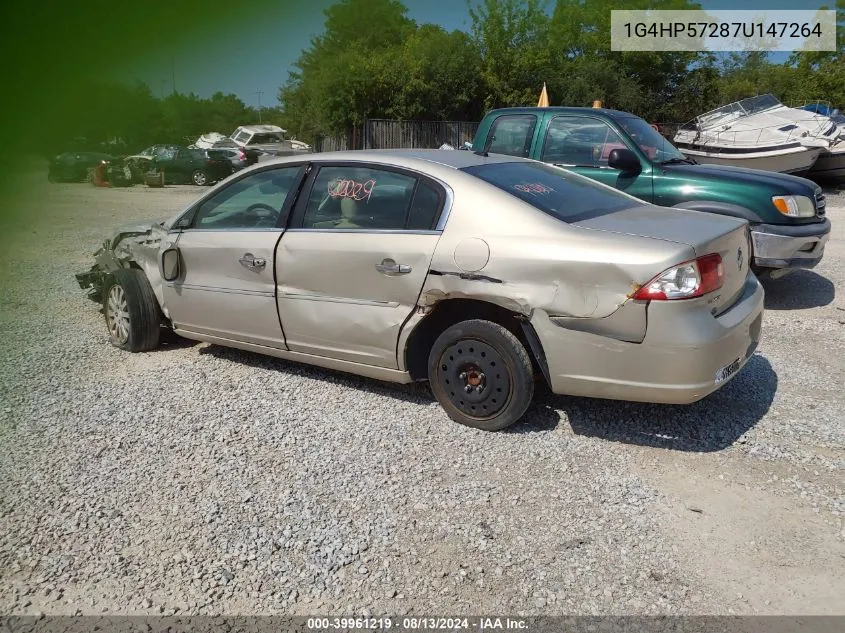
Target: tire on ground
(142, 306)
(454, 354)
(199, 177)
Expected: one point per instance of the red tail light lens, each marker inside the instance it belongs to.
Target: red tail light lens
(685, 281)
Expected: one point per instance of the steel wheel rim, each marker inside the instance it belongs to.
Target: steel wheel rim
(475, 378)
(199, 178)
(117, 314)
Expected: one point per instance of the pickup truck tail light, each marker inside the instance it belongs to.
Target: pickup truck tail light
(687, 280)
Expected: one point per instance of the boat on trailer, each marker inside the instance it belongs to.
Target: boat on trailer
(747, 133)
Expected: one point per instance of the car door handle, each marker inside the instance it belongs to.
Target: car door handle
(390, 267)
(252, 262)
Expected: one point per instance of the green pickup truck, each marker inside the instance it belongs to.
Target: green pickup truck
(786, 213)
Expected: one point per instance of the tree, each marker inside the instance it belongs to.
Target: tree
(513, 41)
(348, 74)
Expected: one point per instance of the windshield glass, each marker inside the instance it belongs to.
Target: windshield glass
(266, 137)
(753, 105)
(554, 190)
(649, 140)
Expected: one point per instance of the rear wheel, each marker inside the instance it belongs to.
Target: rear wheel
(199, 177)
(481, 375)
(131, 311)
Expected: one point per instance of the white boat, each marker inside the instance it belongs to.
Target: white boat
(747, 134)
(831, 162)
(215, 140)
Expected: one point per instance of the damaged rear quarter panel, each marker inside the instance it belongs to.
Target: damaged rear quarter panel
(537, 261)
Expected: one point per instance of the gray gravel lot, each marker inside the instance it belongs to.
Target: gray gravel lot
(198, 479)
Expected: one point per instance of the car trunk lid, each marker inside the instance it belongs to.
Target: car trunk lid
(706, 233)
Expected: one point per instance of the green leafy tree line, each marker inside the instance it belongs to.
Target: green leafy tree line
(387, 66)
(373, 61)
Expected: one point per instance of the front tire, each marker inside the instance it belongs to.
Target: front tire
(131, 311)
(481, 374)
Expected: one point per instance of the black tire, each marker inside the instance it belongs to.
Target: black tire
(139, 330)
(200, 178)
(490, 361)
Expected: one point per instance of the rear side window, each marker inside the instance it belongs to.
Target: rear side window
(560, 193)
(511, 135)
(425, 208)
(358, 198)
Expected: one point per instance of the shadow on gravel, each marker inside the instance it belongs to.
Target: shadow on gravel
(417, 393)
(539, 418)
(708, 425)
(798, 290)
(169, 341)
(830, 186)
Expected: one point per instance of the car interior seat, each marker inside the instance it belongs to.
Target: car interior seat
(348, 214)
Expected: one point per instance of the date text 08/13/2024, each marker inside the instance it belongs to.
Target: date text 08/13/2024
(416, 624)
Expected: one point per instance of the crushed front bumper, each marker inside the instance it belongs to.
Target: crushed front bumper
(92, 281)
(789, 246)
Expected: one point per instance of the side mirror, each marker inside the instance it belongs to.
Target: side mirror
(625, 161)
(170, 268)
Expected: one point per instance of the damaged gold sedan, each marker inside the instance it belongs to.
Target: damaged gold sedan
(480, 274)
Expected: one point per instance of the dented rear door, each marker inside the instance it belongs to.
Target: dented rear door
(351, 268)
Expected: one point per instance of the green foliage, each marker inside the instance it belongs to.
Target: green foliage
(373, 61)
(105, 112)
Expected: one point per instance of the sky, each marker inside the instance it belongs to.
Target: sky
(257, 51)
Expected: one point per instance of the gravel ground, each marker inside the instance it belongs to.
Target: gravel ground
(202, 480)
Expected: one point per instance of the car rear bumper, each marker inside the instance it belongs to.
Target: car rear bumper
(785, 246)
(677, 362)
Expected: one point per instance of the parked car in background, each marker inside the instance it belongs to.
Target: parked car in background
(269, 140)
(237, 156)
(179, 164)
(477, 273)
(137, 165)
(786, 213)
(74, 166)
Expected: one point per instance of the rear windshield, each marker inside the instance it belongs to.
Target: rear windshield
(560, 193)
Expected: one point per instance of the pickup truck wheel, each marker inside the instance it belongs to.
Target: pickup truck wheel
(481, 375)
(199, 178)
(131, 311)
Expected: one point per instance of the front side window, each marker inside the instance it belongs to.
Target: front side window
(558, 192)
(511, 135)
(352, 197)
(650, 141)
(581, 141)
(254, 202)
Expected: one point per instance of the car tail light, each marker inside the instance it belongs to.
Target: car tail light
(687, 280)
(242, 156)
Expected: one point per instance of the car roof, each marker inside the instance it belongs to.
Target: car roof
(615, 114)
(414, 158)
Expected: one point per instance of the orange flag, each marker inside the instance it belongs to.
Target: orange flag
(544, 98)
